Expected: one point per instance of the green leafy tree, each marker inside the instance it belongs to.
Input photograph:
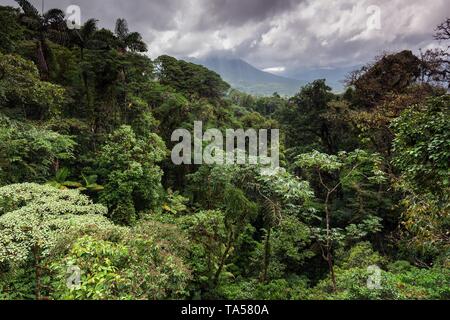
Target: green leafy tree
(391, 73)
(304, 119)
(33, 218)
(208, 237)
(359, 171)
(129, 172)
(22, 93)
(128, 40)
(281, 195)
(85, 39)
(267, 106)
(228, 200)
(143, 263)
(421, 147)
(397, 281)
(30, 154)
(50, 25)
(12, 32)
(190, 79)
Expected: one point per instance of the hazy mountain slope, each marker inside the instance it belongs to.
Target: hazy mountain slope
(334, 76)
(243, 76)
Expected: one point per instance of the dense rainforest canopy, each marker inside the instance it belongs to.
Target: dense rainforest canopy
(87, 184)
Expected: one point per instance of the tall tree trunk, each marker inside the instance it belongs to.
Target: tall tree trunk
(37, 272)
(329, 256)
(42, 63)
(266, 261)
(224, 258)
(331, 268)
(86, 89)
(84, 77)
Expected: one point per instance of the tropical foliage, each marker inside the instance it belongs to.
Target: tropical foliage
(92, 207)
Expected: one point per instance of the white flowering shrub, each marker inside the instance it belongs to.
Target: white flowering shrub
(34, 217)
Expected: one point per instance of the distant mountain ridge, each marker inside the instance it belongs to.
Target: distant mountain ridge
(247, 78)
(244, 77)
(335, 77)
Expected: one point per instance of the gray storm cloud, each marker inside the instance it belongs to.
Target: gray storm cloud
(288, 34)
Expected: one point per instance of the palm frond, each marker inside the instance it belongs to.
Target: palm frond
(89, 28)
(54, 15)
(121, 29)
(28, 8)
(62, 174)
(103, 39)
(135, 43)
(272, 211)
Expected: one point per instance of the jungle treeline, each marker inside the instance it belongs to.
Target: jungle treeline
(359, 209)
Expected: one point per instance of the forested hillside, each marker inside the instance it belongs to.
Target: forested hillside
(359, 210)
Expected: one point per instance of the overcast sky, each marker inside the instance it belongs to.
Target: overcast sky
(277, 35)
